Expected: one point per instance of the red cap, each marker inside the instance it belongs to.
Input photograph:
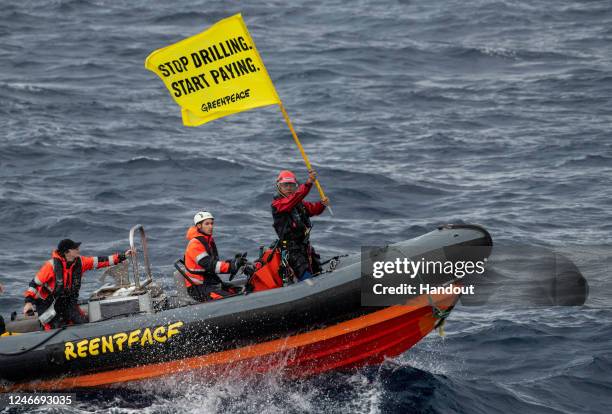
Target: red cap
(286, 176)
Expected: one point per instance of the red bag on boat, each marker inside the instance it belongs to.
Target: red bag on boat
(268, 277)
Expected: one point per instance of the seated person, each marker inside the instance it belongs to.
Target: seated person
(58, 283)
(202, 263)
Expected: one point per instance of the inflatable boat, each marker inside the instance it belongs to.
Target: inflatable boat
(297, 330)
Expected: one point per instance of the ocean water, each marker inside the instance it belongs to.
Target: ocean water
(414, 113)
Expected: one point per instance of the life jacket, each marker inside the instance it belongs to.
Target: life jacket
(200, 246)
(70, 284)
(66, 280)
(294, 226)
(268, 276)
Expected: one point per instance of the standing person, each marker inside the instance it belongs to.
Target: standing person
(57, 284)
(291, 216)
(202, 263)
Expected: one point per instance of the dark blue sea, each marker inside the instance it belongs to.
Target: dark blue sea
(414, 113)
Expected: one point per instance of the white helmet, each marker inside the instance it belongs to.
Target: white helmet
(201, 216)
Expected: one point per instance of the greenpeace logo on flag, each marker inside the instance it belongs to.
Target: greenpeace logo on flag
(226, 100)
(202, 71)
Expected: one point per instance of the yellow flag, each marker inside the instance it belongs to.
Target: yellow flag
(215, 73)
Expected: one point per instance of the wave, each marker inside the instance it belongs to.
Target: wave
(588, 161)
(189, 17)
(67, 226)
(321, 75)
(474, 52)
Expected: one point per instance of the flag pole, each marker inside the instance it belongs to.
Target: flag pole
(304, 156)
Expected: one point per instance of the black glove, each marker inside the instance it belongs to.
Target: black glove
(249, 269)
(122, 257)
(236, 263)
